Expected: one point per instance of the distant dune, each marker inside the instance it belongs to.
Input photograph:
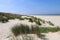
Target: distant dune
(53, 19)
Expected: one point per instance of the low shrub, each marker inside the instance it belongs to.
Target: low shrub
(38, 22)
(3, 19)
(50, 23)
(31, 20)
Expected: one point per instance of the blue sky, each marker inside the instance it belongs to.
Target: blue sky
(30, 6)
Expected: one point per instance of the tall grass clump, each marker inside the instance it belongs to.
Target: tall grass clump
(36, 30)
(3, 19)
(49, 22)
(30, 20)
(38, 22)
(24, 29)
(20, 29)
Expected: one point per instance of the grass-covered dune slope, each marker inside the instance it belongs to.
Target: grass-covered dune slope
(23, 29)
(4, 17)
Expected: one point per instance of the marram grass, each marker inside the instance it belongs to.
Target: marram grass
(24, 29)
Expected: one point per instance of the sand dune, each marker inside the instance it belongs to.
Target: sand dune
(5, 28)
(53, 19)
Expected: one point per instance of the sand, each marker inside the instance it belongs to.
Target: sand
(53, 19)
(53, 36)
(32, 36)
(5, 28)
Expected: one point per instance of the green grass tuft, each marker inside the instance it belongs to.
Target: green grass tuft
(3, 19)
(24, 29)
(20, 29)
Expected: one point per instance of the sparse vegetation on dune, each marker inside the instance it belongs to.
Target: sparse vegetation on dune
(10, 16)
(30, 20)
(49, 22)
(36, 20)
(3, 19)
(24, 29)
(16, 16)
(20, 29)
(49, 29)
